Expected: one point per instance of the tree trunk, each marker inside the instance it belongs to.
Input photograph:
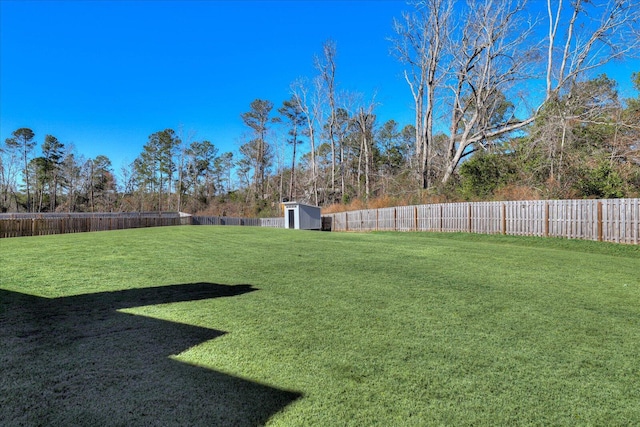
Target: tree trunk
(293, 171)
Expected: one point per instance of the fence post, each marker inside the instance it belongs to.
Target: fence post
(469, 213)
(441, 217)
(377, 216)
(504, 219)
(346, 221)
(546, 219)
(600, 231)
(395, 219)
(416, 217)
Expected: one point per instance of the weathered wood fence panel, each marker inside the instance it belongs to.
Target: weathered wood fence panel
(21, 224)
(24, 224)
(339, 221)
(610, 220)
(455, 217)
(524, 218)
(486, 218)
(272, 222)
(386, 219)
(224, 220)
(620, 221)
(573, 219)
(405, 218)
(429, 217)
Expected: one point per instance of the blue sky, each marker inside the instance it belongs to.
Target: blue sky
(104, 75)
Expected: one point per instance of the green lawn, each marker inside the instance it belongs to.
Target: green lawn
(343, 329)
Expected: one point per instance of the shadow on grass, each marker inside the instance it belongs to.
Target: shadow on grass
(78, 361)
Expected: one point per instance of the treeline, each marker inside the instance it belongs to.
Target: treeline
(499, 114)
(585, 144)
(57, 180)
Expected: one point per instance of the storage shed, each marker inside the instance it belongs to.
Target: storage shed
(302, 217)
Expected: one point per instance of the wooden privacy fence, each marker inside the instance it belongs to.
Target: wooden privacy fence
(30, 224)
(272, 222)
(609, 220)
(223, 220)
(23, 224)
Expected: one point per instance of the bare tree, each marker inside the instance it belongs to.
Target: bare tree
(491, 56)
(9, 170)
(310, 105)
(422, 37)
(296, 120)
(582, 38)
(327, 68)
(577, 130)
(71, 169)
(491, 49)
(365, 121)
(594, 35)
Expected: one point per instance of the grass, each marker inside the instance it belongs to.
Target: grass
(349, 329)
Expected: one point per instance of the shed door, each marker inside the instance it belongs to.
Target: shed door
(292, 218)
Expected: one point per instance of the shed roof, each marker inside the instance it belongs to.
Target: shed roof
(299, 204)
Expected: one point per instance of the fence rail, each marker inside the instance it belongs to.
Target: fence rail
(608, 220)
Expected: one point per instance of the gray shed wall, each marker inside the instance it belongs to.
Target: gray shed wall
(310, 218)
